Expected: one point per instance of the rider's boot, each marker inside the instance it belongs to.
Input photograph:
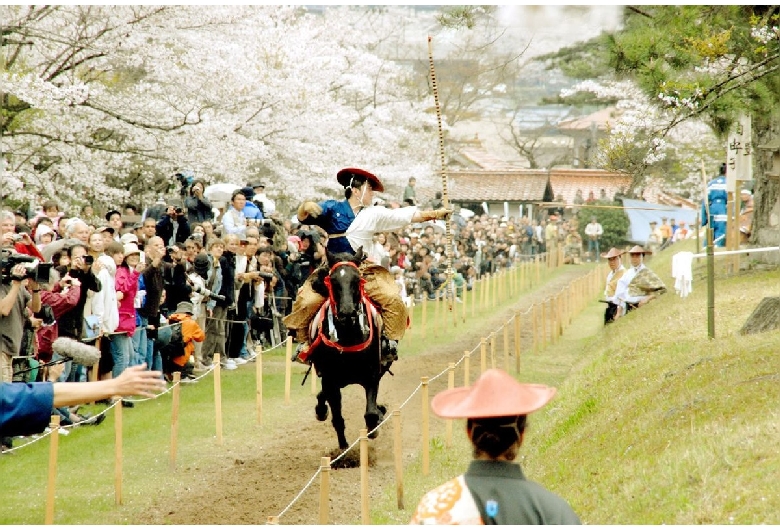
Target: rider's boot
(302, 346)
(389, 351)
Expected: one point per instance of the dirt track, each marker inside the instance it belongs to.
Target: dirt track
(248, 490)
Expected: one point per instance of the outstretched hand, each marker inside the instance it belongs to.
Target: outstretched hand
(138, 381)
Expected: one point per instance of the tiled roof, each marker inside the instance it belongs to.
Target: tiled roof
(600, 118)
(508, 185)
(566, 182)
(483, 158)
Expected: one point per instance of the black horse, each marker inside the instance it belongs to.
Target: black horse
(347, 345)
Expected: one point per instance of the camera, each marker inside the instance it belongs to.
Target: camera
(17, 237)
(89, 260)
(266, 275)
(205, 292)
(185, 179)
(46, 314)
(34, 269)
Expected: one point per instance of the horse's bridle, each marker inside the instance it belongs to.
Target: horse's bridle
(363, 299)
(329, 285)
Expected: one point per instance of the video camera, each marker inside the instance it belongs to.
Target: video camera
(185, 178)
(34, 269)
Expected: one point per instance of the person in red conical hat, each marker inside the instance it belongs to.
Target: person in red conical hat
(351, 224)
(494, 489)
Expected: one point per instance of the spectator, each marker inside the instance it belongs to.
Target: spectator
(594, 231)
(173, 227)
(154, 285)
(216, 310)
(494, 489)
(191, 333)
(267, 206)
(638, 285)
(9, 239)
(714, 214)
(616, 271)
(126, 282)
(114, 220)
(410, 194)
(234, 221)
(148, 230)
(198, 207)
(16, 295)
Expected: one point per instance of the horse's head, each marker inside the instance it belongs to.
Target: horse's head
(345, 286)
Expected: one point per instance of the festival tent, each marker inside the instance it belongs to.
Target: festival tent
(640, 213)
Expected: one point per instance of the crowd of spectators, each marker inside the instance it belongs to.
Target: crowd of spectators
(226, 276)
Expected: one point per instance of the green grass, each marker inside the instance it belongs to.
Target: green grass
(653, 423)
(85, 465)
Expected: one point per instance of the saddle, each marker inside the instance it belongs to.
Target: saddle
(317, 336)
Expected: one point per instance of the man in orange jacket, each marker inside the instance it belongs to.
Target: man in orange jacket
(191, 332)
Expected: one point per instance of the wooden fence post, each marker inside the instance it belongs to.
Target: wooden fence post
(51, 484)
(426, 457)
(218, 397)
(324, 490)
(174, 417)
(364, 511)
(399, 463)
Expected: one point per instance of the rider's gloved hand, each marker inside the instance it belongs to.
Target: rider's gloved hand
(309, 209)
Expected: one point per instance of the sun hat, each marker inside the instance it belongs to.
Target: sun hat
(131, 248)
(184, 307)
(613, 253)
(129, 237)
(636, 249)
(345, 178)
(494, 394)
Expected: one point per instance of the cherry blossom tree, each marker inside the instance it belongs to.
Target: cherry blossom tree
(105, 104)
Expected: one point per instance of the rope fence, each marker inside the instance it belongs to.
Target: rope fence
(489, 293)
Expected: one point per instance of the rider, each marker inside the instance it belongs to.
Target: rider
(351, 224)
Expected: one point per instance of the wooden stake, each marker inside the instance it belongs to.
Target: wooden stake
(465, 300)
(118, 450)
(399, 463)
(450, 385)
(426, 457)
(424, 313)
(273, 519)
(483, 355)
(436, 315)
(466, 359)
(174, 417)
(287, 370)
(506, 347)
(365, 515)
(517, 341)
(259, 383)
(535, 314)
(54, 444)
(218, 397)
(493, 350)
(544, 324)
(324, 489)
(474, 297)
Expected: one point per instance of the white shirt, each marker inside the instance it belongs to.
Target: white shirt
(594, 229)
(621, 292)
(374, 219)
(234, 222)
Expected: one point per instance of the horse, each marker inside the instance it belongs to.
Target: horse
(346, 341)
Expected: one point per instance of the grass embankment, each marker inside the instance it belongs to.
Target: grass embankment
(85, 474)
(656, 423)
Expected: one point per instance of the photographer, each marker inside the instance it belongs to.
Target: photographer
(9, 239)
(198, 207)
(14, 299)
(175, 279)
(173, 227)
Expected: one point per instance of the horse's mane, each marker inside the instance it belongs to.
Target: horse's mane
(321, 272)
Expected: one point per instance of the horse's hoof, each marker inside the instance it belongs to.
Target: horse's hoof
(373, 434)
(382, 411)
(321, 412)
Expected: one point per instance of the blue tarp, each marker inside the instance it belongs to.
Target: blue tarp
(639, 231)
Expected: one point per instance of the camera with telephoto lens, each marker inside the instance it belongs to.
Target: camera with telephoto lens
(185, 179)
(34, 269)
(266, 275)
(208, 294)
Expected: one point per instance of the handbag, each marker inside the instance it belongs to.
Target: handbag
(91, 328)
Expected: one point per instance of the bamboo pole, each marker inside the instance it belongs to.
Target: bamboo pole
(483, 355)
(450, 385)
(218, 397)
(324, 490)
(118, 450)
(466, 368)
(259, 383)
(364, 512)
(426, 457)
(174, 417)
(398, 454)
(51, 483)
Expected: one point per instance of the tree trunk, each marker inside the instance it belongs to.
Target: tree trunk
(765, 317)
(766, 190)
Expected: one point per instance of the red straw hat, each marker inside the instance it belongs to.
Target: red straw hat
(345, 177)
(494, 394)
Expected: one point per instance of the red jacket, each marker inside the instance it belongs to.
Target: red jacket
(60, 304)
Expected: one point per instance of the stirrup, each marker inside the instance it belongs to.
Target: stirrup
(302, 346)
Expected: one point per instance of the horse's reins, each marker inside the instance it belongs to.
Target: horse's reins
(321, 337)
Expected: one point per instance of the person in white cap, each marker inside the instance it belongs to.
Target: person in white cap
(494, 489)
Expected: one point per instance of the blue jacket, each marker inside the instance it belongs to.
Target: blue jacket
(251, 211)
(25, 408)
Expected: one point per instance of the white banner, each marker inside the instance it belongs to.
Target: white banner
(739, 153)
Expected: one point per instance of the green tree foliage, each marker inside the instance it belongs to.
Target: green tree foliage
(614, 221)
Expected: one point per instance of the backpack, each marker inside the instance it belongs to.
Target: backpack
(175, 346)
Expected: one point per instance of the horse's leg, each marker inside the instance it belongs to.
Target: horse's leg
(321, 409)
(373, 414)
(333, 395)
